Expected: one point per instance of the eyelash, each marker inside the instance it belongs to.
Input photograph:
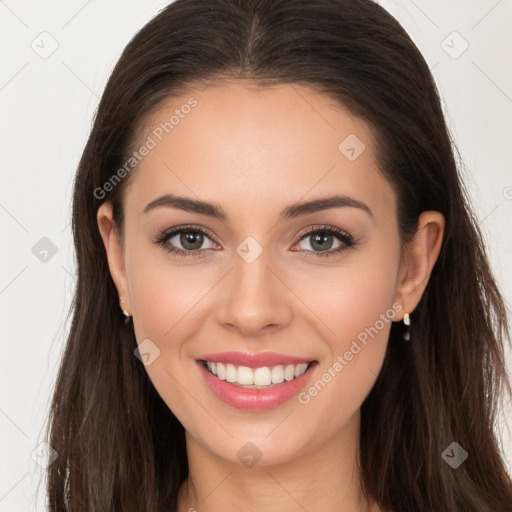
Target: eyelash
(348, 241)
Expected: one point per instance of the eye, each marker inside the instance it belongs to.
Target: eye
(185, 241)
(319, 242)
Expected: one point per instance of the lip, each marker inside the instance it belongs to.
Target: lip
(255, 399)
(253, 360)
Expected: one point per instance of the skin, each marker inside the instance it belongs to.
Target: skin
(254, 152)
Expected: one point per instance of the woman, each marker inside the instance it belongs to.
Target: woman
(283, 297)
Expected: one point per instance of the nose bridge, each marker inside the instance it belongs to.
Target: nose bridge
(254, 298)
(251, 278)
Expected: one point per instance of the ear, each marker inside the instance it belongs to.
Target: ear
(114, 250)
(419, 259)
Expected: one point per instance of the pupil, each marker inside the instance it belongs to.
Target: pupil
(322, 241)
(193, 238)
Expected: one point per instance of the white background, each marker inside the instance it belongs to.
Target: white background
(47, 107)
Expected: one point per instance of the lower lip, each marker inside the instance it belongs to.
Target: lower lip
(255, 399)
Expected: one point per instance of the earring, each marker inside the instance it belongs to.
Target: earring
(125, 313)
(407, 323)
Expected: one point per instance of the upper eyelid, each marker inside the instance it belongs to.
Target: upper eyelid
(169, 233)
(323, 227)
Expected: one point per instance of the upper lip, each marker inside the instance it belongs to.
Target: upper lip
(254, 360)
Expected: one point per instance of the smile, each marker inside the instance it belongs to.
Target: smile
(256, 378)
(260, 388)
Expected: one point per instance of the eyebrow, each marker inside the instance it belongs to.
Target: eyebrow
(295, 210)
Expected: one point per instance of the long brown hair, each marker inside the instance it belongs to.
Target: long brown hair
(119, 446)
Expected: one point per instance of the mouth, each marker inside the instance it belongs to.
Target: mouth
(255, 381)
(263, 377)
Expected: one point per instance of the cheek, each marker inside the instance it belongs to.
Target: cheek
(351, 299)
(166, 301)
(164, 296)
(358, 309)
(358, 300)
(160, 303)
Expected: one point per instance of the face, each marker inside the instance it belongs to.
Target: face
(314, 284)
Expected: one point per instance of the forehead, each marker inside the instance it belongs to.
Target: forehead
(268, 144)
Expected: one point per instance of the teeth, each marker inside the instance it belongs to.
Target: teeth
(221, 371)
(277, 375)
(245, 376)
(300, 369)
(289, 372)
(264, 376)
(231, 373)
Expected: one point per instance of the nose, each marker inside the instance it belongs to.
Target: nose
(255, 301)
